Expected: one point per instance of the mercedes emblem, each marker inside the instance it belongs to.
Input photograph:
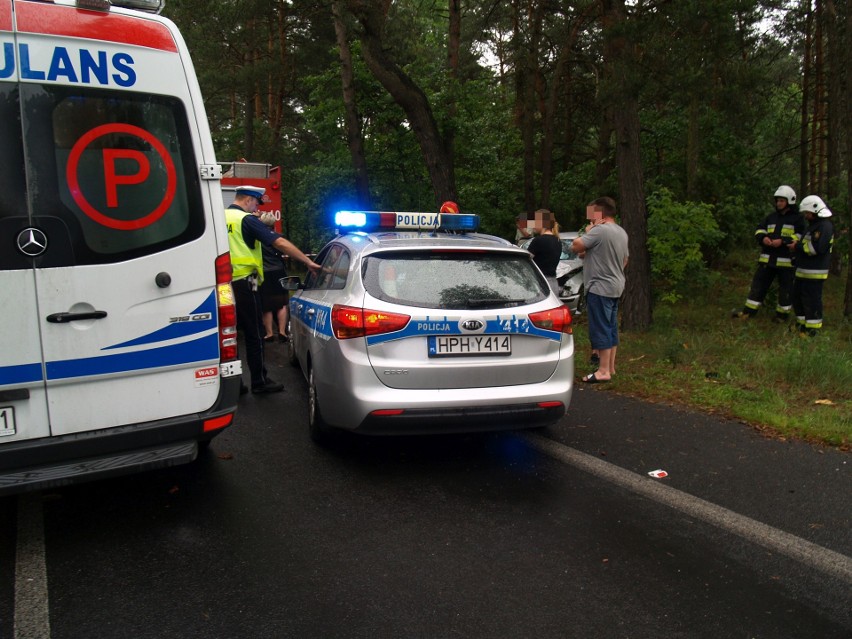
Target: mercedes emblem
(32, 242)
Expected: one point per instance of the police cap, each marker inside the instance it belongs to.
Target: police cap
(252, 191)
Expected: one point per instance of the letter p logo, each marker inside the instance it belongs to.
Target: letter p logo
(112, 178)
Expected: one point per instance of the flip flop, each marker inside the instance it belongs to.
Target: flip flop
(592, 379)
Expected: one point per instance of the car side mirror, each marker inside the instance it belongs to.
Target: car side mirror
(291, 283)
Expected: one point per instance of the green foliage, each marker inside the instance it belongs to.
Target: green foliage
(755, 371)
(719, 98)
(678, 235)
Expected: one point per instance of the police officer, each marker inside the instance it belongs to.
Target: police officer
(813, 255)
(775, 236)
(246, 234)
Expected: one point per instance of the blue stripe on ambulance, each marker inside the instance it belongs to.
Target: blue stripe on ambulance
(200, 320)
(20, 374)
(202, 349)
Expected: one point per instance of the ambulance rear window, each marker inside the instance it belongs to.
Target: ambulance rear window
(117, 169)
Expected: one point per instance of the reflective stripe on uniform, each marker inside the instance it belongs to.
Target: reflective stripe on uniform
(811, 274)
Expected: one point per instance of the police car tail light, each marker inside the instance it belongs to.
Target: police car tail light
(556, 319)
(227, 309)
(348, 322)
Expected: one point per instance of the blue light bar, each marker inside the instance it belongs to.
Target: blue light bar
(459, 222)
(369, 221)
(350, 219)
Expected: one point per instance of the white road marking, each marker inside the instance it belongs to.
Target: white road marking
(32, 612)
(827, 561)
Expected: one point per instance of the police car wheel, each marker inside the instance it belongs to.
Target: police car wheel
(319, 431)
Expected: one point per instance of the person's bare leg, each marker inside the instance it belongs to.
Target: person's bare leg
(267, 324)
(604, 371)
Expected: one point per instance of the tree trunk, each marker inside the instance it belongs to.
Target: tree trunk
(603, 163)
(248, 124)
(352, 121)
(834, 106)
(693, 149)
(847, 306)
(278, 79)
(618, 53)
(807, 73)
(834, 78)
(560, 78)
(453, 46)
(407, 95)
(818, 153)
(523, 51)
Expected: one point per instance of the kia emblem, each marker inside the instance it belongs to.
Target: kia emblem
(472, 325)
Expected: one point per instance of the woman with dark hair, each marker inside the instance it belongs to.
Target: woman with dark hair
(546, 248)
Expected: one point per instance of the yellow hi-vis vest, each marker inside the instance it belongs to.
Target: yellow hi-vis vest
(244, 260)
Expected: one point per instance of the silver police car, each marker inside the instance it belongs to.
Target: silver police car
(418, 324)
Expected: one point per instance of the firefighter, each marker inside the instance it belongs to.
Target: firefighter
(813, 254)
(775, 236)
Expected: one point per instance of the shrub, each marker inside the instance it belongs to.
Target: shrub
(679, 235)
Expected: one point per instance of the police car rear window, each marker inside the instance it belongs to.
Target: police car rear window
(453, 279)
(109, 175)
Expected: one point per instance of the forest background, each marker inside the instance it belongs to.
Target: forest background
(690, 113)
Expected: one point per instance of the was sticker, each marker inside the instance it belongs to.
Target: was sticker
(206, 376)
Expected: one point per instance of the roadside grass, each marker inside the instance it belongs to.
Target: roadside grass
(756, 371)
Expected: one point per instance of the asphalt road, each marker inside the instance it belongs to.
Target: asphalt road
(558, 533)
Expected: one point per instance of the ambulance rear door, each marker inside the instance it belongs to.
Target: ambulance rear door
(112, 273)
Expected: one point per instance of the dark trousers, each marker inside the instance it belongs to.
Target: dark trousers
(807, 303)
(250, 322)
(763, 280)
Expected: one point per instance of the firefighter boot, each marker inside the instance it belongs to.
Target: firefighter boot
(746, 313)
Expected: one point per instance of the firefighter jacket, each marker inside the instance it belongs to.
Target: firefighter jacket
(788, 226)
(813, 253)
(244, 260)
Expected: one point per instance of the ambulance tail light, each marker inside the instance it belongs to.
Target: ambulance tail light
(227, 309)
(556, 319)
(348, 322)
(217, 423)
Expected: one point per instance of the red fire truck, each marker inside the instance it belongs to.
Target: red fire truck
(239, 173)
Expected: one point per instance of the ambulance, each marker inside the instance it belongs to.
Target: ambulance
(118, 351)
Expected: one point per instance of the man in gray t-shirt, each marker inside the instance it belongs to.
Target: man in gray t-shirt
(604, 250)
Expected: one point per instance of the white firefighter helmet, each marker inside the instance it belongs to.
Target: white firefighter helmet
(814, 204)
(787, 193)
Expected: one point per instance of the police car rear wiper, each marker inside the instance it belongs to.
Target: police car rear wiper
(494, 301)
